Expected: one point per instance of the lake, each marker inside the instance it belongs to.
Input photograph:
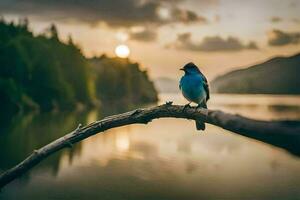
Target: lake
(166, 159)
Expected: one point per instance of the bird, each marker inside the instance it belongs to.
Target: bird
(194, 87)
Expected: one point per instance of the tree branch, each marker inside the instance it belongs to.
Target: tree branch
(276, 133)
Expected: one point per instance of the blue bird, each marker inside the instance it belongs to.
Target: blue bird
(194, 88)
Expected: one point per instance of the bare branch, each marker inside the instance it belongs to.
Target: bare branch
(276, 133)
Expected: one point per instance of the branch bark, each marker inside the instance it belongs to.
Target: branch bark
(276, 133)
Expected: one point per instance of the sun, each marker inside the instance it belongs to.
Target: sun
(122, 51)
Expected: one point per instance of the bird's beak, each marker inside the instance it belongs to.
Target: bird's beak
(181, 69)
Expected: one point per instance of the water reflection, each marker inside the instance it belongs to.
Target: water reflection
(167, 159)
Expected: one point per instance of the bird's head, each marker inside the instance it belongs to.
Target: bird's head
(190, 68)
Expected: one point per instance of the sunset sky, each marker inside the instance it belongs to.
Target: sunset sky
(162, 35)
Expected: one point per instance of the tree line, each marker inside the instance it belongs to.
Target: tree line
(42, 72)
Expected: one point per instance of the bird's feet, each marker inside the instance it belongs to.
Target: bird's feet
(186, 106)
(204, 106)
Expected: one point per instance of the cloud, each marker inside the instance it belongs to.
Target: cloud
(144, 34)
(280, 38)
(187, 16)
(210, 44)
(115, 13)
(275, 19)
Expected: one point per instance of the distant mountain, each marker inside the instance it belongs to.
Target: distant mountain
(279, 75)
(166, 85)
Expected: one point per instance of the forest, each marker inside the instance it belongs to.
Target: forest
(41, 72)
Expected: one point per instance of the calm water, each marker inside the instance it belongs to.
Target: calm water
(167, 159)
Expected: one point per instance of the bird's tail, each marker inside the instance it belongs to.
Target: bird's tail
(200, 125)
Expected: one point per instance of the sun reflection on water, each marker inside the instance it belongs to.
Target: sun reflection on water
(122, 141)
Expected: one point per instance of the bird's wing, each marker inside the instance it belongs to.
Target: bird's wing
(206, 88)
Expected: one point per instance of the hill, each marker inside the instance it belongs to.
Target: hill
(279, 75)
(40, 72)
(121, 82)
